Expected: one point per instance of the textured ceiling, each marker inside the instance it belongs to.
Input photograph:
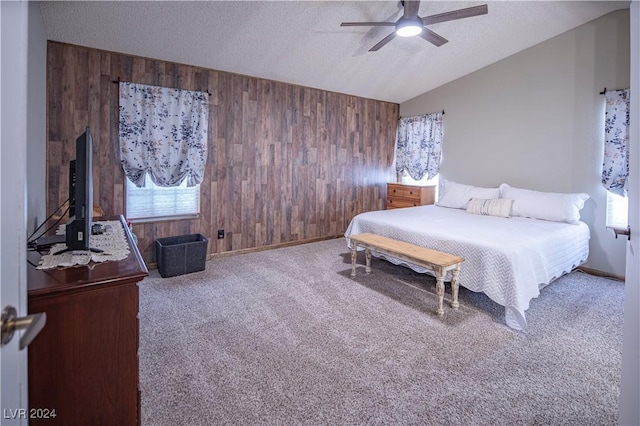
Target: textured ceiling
(301, 42)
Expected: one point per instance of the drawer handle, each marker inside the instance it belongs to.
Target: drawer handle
(410, 192)
(394, 191)
(414, 204)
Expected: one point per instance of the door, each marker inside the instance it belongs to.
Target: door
(13, 166)
(630, 383)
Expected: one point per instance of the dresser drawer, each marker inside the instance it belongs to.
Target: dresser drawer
(406, 192)
(401, 195)
(396, 203)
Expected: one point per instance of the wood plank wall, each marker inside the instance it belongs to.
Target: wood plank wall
(285, 163)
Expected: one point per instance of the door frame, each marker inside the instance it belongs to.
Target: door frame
(14, 17)
(629, 409)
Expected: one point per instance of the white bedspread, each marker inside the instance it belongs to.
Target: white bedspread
(508, 259)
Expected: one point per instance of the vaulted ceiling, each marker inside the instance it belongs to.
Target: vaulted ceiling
(302, 42)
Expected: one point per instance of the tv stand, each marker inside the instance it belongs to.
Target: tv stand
(78, 235)
(84, 362)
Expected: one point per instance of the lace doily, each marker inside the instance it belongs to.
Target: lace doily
(113, 243)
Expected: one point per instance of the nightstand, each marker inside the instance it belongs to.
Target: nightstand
(402, 195)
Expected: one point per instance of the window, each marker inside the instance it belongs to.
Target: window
(617, 211)
(163, 132)
(155, 202)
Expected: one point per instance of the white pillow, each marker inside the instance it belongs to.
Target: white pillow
(500, 207)
(553, 206)
(457, 195)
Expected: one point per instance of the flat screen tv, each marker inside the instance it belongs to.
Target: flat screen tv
(78, 227)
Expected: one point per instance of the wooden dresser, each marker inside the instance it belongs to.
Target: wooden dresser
(402, 195)
(84, 362)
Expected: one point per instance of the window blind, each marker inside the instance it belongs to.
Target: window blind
(617, 211)
(152, 201)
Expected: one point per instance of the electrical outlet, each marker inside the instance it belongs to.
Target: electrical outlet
(220, 234)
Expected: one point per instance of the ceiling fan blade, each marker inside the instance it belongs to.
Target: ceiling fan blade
(432, 37)
(411, 8)
(384, 41)
(368, 24)
(456, 14)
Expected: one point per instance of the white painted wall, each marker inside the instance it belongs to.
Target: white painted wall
(535, 120)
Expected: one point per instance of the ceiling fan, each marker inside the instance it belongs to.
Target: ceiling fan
(410, 24)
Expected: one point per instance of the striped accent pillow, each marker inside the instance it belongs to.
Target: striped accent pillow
(494, 207)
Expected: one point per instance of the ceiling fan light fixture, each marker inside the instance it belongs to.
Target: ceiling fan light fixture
(408, 27)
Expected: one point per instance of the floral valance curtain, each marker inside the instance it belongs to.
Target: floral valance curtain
(163, 132)
(419, 145)
(615, 166)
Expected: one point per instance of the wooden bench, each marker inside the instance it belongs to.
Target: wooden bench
(438, 262)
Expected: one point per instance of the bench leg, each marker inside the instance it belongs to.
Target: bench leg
(440, 292)
(354, 257)
(367, 255)
(454, 287)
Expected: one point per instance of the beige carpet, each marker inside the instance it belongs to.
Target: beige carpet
(287, 337)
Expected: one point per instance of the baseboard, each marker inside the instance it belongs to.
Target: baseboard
(599, 273)
(272, 246)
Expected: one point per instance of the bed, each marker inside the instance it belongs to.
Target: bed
(510, 259)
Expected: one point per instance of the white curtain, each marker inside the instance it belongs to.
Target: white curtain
(419, 145)
(163, 132)
(615, 166)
